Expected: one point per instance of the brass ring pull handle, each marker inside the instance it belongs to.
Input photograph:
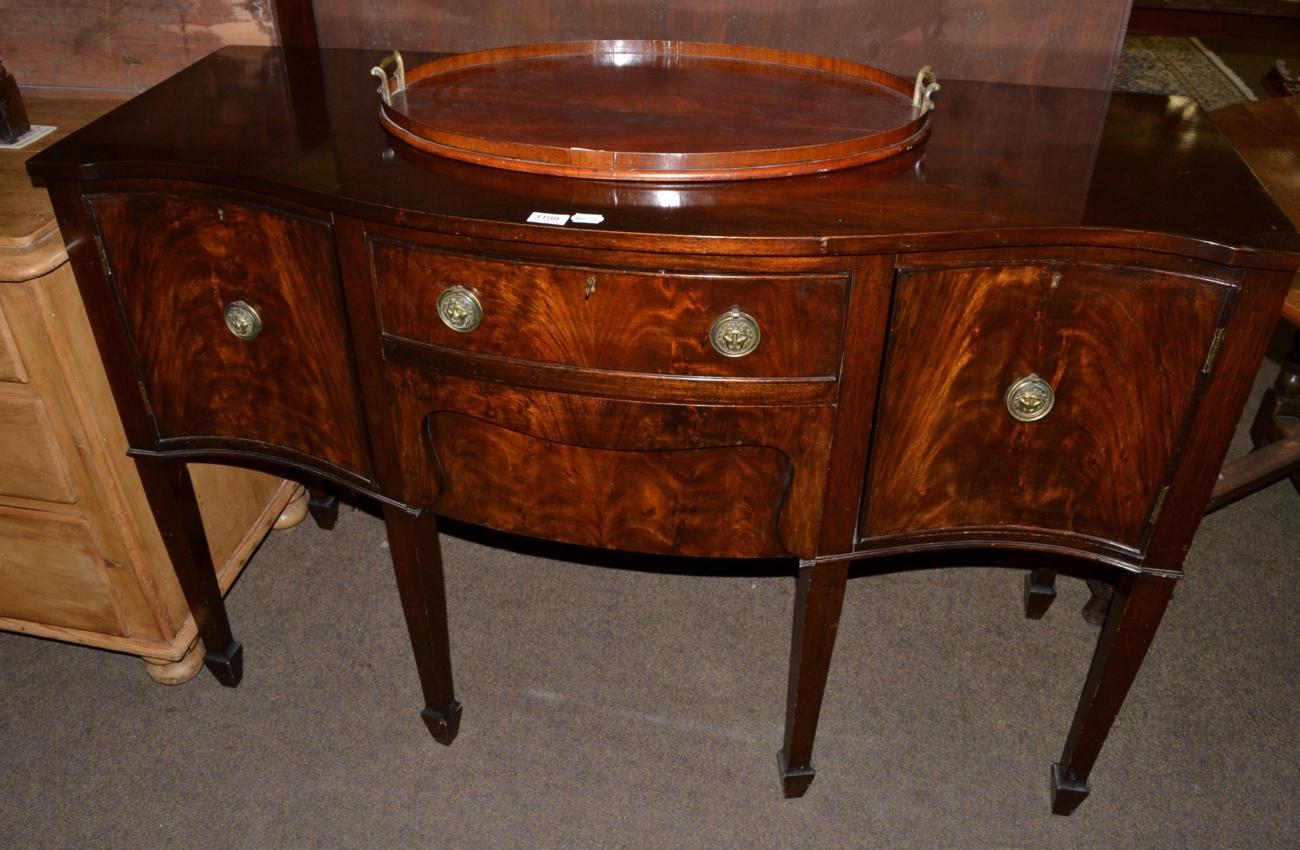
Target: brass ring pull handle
(735, 333)
(459, 309)
(243, 320)
(1030, 399)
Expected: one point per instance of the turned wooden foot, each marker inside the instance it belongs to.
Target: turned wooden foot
(1040, 592)
(294, 512)
(166, 672)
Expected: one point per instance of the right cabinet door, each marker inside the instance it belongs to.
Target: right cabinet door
(1037, 398)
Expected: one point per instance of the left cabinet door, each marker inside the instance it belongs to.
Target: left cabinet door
(236, 317)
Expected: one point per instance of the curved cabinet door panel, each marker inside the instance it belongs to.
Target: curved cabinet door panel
(179, 262)
(1114, 358)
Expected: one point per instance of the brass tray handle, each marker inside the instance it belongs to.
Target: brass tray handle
(735, 333)
(459, 309)
(243, 320)
(386, 89)
(927, 83)
(1030, 399)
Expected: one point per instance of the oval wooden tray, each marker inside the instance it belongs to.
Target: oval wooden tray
(654, 110)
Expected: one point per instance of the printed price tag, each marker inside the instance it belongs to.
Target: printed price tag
(548, 218)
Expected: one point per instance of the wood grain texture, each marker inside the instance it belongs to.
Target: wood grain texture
(578, 433)
(123, 46)
(656, 323)
(1122, 348)
(178, 261)
(31, 464)
(1014, 41)
(52, 572)
(670, 502)
(11, 362)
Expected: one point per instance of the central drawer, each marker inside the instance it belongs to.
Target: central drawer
(626, 321)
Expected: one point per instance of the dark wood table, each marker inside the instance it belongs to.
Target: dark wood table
(1026, 341)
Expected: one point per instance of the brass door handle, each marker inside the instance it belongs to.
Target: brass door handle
(459, 309)
(1030, 399)
(735, 333)
(243, 320)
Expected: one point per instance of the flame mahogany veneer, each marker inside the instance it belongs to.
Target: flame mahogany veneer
(1114, 246)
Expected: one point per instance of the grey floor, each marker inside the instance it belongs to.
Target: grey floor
(624, 708)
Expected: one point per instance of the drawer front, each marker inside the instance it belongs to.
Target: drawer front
(52, 573)
(1120, 352)
(179, 263)
(31, 465)
(614, 320)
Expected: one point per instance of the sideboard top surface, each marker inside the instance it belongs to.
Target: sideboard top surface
(1005, 165)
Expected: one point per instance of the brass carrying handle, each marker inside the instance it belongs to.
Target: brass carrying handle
(386, 90)
(243, 320)
(927, 83)
(735, 333)
(1030, 399)
(459, 309)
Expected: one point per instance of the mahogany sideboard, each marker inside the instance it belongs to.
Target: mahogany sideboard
(1033, 335)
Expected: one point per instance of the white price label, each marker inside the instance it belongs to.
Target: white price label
(548, 218)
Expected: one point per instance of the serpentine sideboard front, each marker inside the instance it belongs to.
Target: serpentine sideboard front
(1032, 334)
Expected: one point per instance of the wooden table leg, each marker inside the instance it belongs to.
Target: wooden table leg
(817, 602)
(417, 564)
(1136, 607)
(176, 511)
(1040, 592)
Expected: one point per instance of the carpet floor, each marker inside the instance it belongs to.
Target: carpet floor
(639, 708)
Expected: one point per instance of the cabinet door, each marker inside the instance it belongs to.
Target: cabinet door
(1121, 354)
(179, 262)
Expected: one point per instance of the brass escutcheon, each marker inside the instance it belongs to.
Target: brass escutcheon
(1030, 399)
(735, 333)
(243, 320)
(459, 309)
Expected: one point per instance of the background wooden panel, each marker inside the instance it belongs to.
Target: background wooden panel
(51, 46)
(1024, 41)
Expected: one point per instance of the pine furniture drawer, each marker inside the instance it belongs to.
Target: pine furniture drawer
(622, 321)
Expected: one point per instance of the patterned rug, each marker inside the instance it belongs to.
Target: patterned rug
(1176, 65)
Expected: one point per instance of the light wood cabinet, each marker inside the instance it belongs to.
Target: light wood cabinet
(81, 559)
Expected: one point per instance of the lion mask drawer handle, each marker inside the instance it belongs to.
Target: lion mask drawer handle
(459, 309)
(735, 333)
(1030, 399)
(243, 320)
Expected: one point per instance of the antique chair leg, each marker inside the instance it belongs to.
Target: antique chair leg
(324, 508)
(1279, 411)
(1040, 592)
(817, 602)
(417, 564)
(1136, 607)
(176, 511)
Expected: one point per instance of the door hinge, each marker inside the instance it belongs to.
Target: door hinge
(1160, 503)
(1215, 344)
(103, 256)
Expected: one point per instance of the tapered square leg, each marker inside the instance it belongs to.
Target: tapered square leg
(1040, 592)
(1136, 608)
(175, 509)
(819, 597)
(417, 565)
(323, 507)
